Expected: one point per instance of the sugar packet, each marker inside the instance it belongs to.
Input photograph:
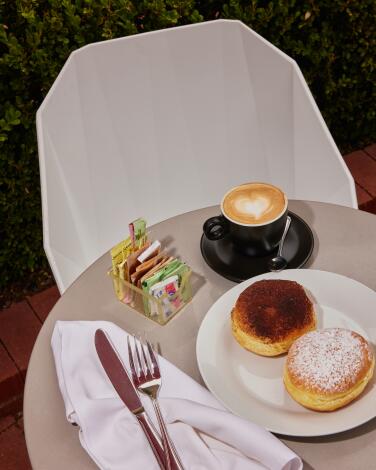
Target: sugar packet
(164, 290)
(174, 268)
(137, 231)
(119, 253)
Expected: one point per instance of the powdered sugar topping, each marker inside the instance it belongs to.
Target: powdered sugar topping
(329, 360)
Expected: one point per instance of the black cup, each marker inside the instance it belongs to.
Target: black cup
(252, 240)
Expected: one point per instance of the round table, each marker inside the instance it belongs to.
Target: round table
(345, 243)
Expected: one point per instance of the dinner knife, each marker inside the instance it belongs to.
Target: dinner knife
(122, 384)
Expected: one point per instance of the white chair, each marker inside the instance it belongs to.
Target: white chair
(162, 123)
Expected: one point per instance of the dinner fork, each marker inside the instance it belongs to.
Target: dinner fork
(146, 378)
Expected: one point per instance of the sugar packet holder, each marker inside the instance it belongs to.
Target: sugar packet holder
(146, 278)
(160, 307)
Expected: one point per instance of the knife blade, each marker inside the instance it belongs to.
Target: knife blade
(121, 382)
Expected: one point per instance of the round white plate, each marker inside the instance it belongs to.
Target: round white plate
(251, 386)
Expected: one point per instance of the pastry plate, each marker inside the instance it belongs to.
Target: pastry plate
(251, 386)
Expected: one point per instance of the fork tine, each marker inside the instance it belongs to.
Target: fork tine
(148, 367)
(131, 362)
(137, 358)
(154, 361)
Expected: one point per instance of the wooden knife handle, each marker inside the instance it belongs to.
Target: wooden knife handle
(153, 438)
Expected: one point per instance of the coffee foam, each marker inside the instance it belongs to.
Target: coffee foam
(254, 203)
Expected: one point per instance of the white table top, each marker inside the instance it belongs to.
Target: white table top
(345, 243)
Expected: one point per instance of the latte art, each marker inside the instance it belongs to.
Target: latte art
(253, 207)
(254, 203)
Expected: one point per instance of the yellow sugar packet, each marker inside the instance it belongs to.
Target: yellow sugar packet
(119, 254)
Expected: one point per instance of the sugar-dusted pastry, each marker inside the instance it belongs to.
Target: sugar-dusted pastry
(329, 368)
(270, 315)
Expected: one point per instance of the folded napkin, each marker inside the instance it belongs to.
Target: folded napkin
(205, 435)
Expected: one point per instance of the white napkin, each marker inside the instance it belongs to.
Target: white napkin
(205, 435)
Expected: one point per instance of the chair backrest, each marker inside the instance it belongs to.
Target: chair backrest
(162, 123)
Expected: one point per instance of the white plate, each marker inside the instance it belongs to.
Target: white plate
(251, 386)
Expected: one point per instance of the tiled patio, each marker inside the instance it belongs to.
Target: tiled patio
(13, 453)
(19, 327)
(362, 164)
(21, 322)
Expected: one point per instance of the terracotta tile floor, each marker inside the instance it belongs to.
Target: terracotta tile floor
(362, 165)
(21, 322)
(19, 327)
(13, 453)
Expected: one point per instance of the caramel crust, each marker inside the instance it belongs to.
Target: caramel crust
(273, 309)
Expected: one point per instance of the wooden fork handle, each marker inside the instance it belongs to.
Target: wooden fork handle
(153, 438)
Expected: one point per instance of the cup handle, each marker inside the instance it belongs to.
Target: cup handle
(216, 228)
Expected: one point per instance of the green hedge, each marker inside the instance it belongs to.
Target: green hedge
(333, 41)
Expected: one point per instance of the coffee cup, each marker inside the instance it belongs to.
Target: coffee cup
(253, 217)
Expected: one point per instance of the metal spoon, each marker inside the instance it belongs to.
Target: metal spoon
(278, 263)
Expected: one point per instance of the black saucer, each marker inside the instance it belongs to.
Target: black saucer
(224, 259)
